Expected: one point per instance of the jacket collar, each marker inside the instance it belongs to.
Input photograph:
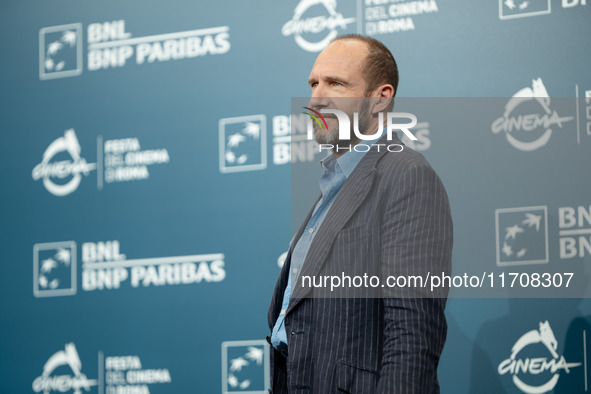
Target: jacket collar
(347, 202)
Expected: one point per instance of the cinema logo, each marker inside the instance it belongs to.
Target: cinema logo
(62, 360)
(523, 129)
(122, 374)
(317, 124)
(524, 370)
(62, 166)
(111, 46)
(327, 26)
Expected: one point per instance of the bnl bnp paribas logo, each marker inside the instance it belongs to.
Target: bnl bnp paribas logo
(535, 365)
(528, 120)
(245, 367)
(105, 268)
(243, 142)
(54, 269)
(315, 23)
(111, 46)
(243, 139)
(522, 234)
(511, 9)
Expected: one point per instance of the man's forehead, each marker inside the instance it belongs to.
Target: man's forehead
(341, 55)
(350, 46)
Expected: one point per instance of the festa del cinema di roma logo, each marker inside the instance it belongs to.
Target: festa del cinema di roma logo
(66, 168)
(63, 167)
(68, 358)
(516, 366)
(519, 128)
(299, 25)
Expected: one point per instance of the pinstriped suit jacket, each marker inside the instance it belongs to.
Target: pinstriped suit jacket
(391, 216)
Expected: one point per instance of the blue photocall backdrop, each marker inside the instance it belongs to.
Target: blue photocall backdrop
(147, 171)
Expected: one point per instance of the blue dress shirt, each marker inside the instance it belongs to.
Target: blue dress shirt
(336, 172)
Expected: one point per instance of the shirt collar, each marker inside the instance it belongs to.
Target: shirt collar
(348, 161)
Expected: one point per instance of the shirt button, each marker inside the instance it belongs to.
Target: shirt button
(283, 311)
(311, 230)
(295, 270)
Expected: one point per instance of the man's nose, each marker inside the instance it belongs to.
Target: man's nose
(318, 100)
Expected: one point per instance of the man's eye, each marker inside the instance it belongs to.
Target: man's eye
(336, 84)
(313, 85)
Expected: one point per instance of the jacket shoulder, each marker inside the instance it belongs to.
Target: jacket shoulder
(400, 163)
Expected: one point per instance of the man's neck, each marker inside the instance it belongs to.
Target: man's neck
(342, 147)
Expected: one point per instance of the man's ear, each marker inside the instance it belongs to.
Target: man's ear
(382, 97)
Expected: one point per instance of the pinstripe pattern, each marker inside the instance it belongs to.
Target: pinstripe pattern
(391, 217)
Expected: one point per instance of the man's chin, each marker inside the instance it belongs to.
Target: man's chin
(325, 138)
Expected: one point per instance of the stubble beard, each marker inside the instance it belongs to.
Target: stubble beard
(331, 137)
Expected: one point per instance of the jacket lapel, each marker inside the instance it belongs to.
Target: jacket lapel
(277, 299)
(348, 200)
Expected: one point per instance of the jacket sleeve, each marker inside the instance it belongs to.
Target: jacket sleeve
(416, 240)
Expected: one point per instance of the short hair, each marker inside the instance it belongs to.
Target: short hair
(380, 66)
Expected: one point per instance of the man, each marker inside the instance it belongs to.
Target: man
(380, 212)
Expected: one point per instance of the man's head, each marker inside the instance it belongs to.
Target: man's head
(379, 66)
(353, 66)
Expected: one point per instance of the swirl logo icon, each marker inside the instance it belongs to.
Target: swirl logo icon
(54, 269)
(522, 235)
(243, 143)
(60, 51)
(245, 367)
(509, 9)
